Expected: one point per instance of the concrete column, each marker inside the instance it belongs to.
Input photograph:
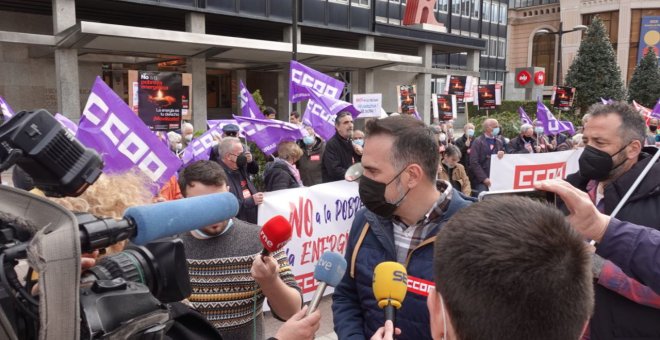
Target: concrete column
(365, 77)
(284, 107)
(196, 23)
(623, 45)
(473, 58)
(423, 81)
(66, 62)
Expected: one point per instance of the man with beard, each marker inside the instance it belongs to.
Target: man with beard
(404, 209)
(340, 152)
(613, 159)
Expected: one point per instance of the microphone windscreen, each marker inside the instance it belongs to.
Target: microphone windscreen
(159, 220)
(330, 268)
(390, 284)
(275, 233)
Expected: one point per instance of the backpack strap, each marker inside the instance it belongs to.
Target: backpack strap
(363, 234)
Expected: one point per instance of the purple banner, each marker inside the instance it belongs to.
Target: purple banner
(200, 148)
(321, 113)
(606, 101)
(268, 133)
(110, 127)
(220, 123)
(524, 118)
(552, 126)
(303, 80)
(249, 108)
(67, 123)
(655, 113)
(7, 112)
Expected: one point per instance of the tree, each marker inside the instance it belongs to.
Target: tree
(594, 71)
(645, 83)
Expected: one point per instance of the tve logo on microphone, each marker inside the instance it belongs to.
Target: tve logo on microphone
(526, 175)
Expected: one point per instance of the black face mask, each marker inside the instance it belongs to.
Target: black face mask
(596, 164)
(653, 128)
(241, 160)
(372, 194)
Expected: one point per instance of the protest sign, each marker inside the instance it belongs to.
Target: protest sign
(562, 97)
(321, 217)
(110, 127)
(444, 106)
(521, 171)
(369, 104)
(160, 101)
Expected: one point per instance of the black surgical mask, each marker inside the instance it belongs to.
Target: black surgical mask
(653, 128)
(596, 164)
(241, 160)
(372, 194)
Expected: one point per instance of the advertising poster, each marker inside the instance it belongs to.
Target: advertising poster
(562, 97)
(185, 100)
(463, 88)
(444, 106)
(486, 97)
(407, 99)
(160, 103)
(649, 36)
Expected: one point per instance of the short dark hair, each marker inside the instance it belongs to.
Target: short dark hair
(269, 111)
(341, 115)
(414, 142)
(503, 275)
(452, 150)
(295, 114)
(632, 126)
(205, 172)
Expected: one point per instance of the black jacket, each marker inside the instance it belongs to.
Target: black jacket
(460, 143)
(309, 164)
(616, 317)
(517, 145)
(247, 210)
(337, 158)
(277, 176)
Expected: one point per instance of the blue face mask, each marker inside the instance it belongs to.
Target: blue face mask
(496, 131)
(359, 142)
(308, 140)
(470, 132)
(538, 130)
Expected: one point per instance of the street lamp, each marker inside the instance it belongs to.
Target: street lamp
(560, 32)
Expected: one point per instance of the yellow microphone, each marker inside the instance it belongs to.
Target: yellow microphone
(390, 285)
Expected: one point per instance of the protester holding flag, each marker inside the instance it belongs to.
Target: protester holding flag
(234, 161)
(310, 162)
(340, 153)
(482, 149)
(282, 172)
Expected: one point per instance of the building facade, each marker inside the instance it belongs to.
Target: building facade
(52, 50)
(622, 18)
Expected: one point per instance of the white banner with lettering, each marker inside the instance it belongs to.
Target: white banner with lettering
(520, 171)
(321, 217)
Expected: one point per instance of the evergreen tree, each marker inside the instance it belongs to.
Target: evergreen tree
(645, 83)
(594, 71)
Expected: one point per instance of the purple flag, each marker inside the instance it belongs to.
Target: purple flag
(7, 112)
(552, 126)
(303, 80)
(67, 123)
(656, 110)
(524, 118)
(200, 148)
(416, 115)
(249, 108)
(110, 127)
(268, 133)
(606, 101)
(220, 123)
(322, 111)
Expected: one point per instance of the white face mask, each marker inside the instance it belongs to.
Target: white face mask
(188, 137)
(443, 137)
(179, 146)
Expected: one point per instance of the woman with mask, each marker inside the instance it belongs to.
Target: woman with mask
(652, 134)
(452, 171)
(309, 164)
(282, 172)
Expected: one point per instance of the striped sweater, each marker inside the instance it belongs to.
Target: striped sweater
(222, 288)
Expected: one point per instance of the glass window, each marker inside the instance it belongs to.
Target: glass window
(456, 7)
(500, 76)
(443, 5)
(476, 7)
(465, 8)
(501, 48)
(543, 55)
(487, 51)
(494, 12)
(486, 10)
(503, 14)
(493, 47)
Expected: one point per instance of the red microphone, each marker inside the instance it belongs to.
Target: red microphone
(274, 235)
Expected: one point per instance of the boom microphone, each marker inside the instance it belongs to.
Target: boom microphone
(275, 233)
(143, 224)
(328, 271)
(390, 286)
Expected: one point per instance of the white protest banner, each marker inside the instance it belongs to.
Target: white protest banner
(321, 217)
(368, 104)
(521, 171)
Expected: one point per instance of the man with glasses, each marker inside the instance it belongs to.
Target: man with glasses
(482, 149)
(234, 161)
(404, 209)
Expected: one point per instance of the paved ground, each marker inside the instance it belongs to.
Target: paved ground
(324, 333)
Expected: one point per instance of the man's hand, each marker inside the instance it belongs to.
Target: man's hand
(487, 182)
(584, 216)
(264, 270)
(387, 332)
(258, 198)
(537, 149)
(357, 149)
(500, 154)
(299, 327)
(529, 148)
